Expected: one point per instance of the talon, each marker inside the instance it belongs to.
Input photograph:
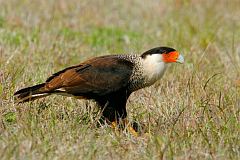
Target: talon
(132, 131)
(127, 125)
(114, 125)
(130, 128)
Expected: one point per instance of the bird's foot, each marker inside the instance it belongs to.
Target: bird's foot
(125, 124)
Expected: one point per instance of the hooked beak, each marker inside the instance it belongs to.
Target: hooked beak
(180, 59)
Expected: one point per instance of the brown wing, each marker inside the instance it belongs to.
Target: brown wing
(97, 76)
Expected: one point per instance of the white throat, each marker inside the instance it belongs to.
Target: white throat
(154, 68)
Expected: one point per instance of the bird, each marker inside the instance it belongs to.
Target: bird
(108, 80)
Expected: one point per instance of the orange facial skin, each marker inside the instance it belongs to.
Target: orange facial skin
(170, 57)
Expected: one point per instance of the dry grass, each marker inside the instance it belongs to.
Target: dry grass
(192, 113)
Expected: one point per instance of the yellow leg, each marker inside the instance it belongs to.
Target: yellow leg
(132, 131)
(127, 125)
(130, 128)
(114, 125)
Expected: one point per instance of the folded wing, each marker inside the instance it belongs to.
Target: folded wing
(95, 77)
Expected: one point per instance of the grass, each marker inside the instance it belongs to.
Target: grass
(192, 113)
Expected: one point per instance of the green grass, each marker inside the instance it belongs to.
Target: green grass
(191, 113)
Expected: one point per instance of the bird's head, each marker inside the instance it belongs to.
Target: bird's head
(155, 60)
(163, 54)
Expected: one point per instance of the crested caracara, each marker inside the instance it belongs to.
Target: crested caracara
(109, 80)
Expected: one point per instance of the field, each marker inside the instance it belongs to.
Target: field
(193, 112)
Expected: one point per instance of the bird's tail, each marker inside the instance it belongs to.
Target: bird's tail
(31, 93)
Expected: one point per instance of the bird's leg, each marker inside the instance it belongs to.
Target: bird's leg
(114, 124)
(130, 128)
(114, 111)
(126, 124)
(121, 123)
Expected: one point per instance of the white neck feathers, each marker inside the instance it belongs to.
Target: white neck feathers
(153, 67)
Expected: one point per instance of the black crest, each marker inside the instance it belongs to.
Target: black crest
(157, 50)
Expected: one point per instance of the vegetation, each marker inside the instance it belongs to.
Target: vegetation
(192, 113)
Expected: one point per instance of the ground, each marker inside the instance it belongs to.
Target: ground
(193, 112)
